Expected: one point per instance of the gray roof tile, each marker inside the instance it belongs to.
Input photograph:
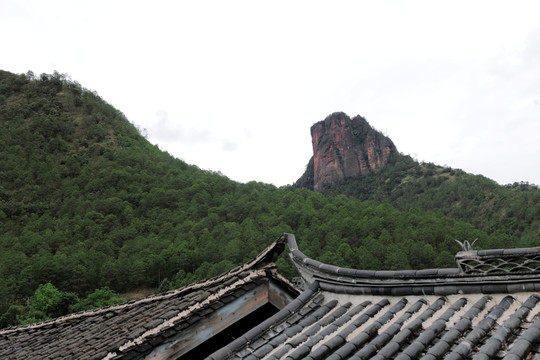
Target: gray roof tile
(343, 314)
(133, 329)
(456, 324)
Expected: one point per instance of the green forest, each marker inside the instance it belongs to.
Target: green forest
(409, 185)
(90, 209)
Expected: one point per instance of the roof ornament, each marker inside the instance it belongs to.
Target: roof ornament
(465, 245)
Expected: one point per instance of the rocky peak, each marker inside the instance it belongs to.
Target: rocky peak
(344, 147)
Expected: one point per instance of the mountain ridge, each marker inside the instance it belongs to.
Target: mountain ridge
(87, 202)
(409, 185)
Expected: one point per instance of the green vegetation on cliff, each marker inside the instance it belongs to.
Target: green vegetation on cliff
(409, 185)
(89, 208)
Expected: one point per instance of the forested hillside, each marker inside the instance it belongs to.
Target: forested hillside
(408, 185)
(90, 208)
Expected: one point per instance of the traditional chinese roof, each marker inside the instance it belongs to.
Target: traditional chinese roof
(486, 308)
(171, 325)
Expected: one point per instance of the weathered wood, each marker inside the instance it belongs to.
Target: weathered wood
(219, 320)
(277, 296)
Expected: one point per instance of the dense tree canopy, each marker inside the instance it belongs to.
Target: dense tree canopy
(90, 209)
(409, 185)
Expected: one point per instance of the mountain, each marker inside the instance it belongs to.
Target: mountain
(345, 147)
(88, 207)
(351, 158)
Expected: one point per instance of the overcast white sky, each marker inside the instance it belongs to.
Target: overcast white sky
(234, 86)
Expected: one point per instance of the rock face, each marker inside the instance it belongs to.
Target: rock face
(344, 147)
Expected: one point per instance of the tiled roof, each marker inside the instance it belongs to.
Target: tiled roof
(486, 308)
(414, 327)
(137, 328)
(425, 314)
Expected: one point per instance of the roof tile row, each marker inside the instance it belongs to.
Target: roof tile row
(428, 328)
(132, 329)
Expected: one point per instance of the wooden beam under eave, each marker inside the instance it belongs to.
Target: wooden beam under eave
(278, 296)
(215, 322)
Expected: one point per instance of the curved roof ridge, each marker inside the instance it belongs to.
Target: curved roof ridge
(482, 271)
(300, 258)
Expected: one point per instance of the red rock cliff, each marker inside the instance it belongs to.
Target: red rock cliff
(344, 147)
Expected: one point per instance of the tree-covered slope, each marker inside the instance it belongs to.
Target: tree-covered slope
(86, 202)
(408, 184)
